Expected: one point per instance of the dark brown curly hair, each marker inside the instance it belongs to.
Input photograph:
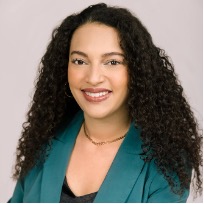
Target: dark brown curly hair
(156, 101)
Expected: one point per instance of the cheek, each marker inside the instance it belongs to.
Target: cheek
(120, 80)
(74, 76)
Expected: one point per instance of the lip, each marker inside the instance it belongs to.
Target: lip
(96, 90)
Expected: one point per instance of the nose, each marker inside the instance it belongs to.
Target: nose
(94, 75)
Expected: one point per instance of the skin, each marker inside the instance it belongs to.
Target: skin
(97, 64)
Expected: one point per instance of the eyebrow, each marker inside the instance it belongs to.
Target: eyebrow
(104, 55)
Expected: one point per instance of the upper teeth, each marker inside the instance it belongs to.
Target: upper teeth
(96, 94)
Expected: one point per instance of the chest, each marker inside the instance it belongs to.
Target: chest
(88, 168)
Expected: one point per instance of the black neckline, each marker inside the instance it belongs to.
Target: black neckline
(69, 191)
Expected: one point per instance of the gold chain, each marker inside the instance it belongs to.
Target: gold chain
(101, 143)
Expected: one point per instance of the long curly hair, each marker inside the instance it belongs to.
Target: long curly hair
(156, 101)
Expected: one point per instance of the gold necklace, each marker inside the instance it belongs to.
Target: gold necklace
(101, 143)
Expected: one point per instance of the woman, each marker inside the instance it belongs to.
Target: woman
(108, 121)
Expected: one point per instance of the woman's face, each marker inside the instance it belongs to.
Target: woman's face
(97, 72)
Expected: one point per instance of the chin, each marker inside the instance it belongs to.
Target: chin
(97, 114)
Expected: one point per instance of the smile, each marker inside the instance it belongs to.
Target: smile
(96, 94)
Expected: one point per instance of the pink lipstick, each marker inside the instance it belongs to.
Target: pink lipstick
(96, 94)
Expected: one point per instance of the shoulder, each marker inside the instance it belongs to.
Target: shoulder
(159, 190)
(24, 187)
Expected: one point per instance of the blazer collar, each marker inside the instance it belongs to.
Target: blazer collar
(54, 169)
(121, 177)
(124, 171)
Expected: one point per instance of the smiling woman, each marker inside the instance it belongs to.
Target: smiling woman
(121, 131)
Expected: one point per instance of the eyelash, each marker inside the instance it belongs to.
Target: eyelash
(82, 62)
(115, 62)
(78, 61)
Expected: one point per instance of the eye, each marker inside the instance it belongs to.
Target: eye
(113, 62)
(78, 62)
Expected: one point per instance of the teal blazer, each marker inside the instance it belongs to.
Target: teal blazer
(129, 178)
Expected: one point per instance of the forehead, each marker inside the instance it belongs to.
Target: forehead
(95, 36)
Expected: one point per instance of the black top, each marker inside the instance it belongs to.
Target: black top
(67, 196)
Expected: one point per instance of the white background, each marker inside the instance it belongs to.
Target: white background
(25, 30)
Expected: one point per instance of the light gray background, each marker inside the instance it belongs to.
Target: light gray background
(25, 30)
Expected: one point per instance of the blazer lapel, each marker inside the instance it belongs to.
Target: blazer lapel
(124, 170)
(55, 166)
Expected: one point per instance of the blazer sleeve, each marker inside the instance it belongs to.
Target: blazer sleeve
(160, 192)
(18, 193)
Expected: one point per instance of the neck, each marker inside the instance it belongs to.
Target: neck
(107, 128)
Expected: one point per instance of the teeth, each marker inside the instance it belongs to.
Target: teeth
(96, 94)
